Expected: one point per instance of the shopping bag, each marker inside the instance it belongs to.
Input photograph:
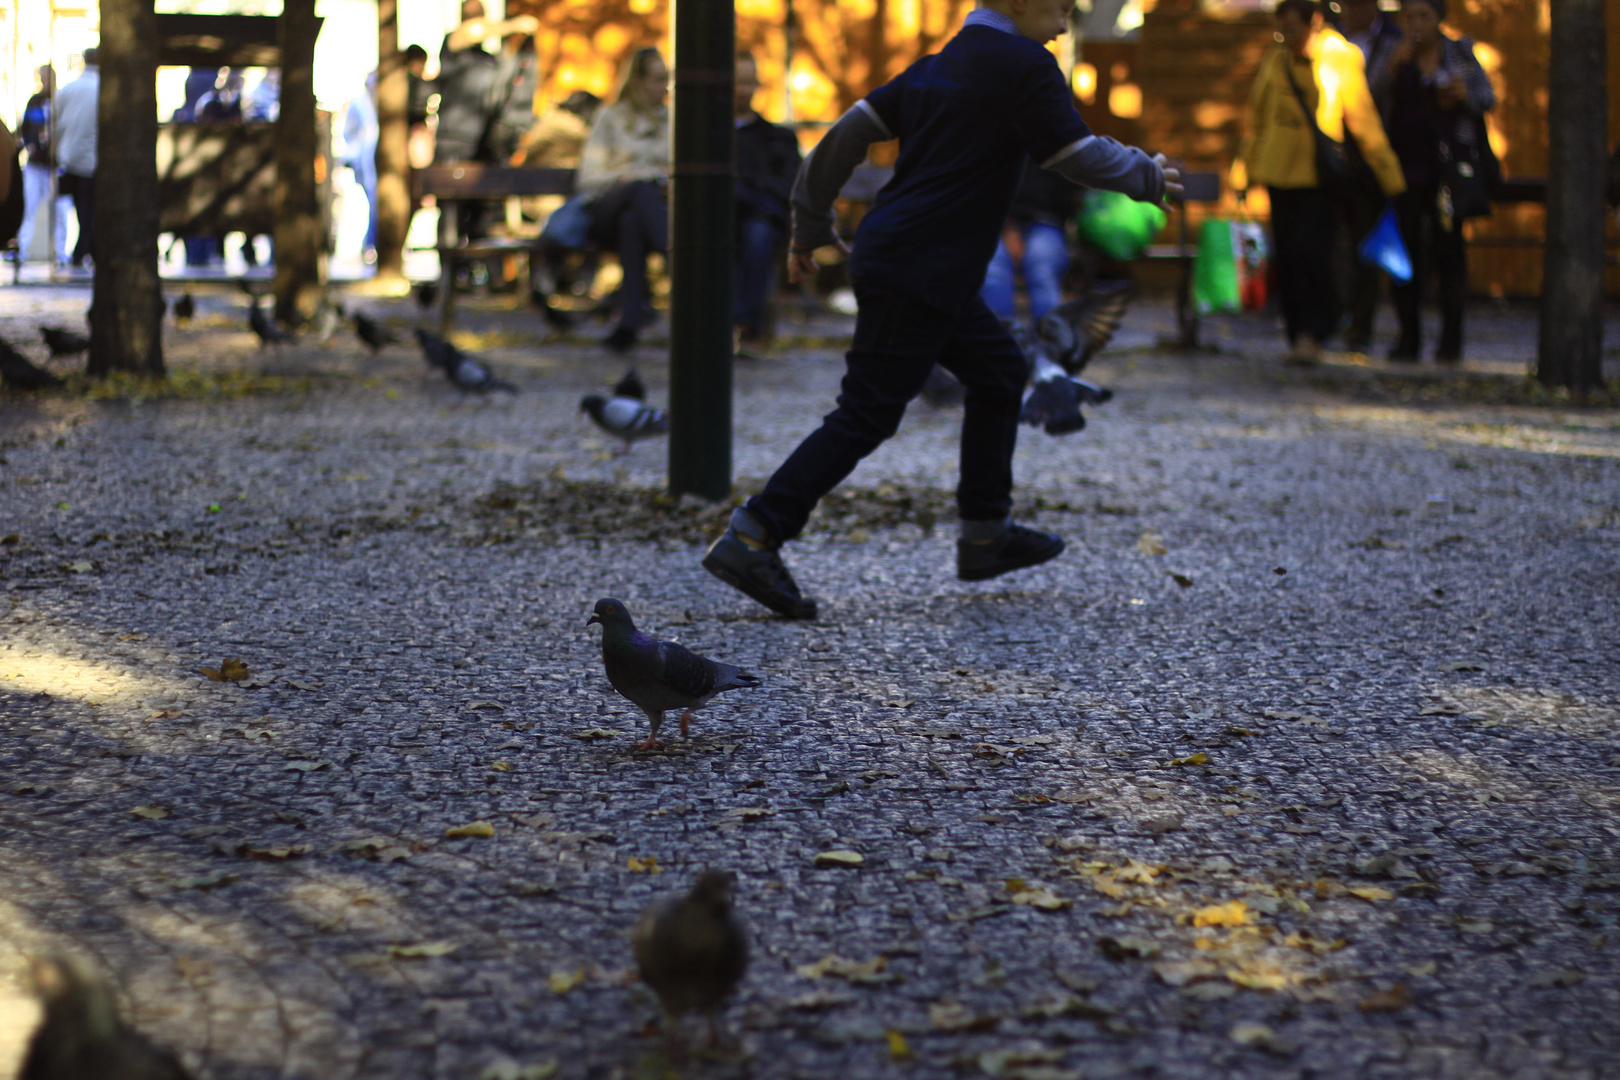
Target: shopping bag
(1118, 225)
(1229, 269)
(1385, 248)
(568, 225)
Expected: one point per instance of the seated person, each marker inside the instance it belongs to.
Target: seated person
(767, 161)
(558, 137)
(1045, 203)
(624, 175)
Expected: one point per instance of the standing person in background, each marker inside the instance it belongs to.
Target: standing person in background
(222, 104)
(1377, 35)
(1314, 68)
(624, 175)
(35, 132)
(200, 250)
(263, 103)
(1438, 103)
(510, 106)
(767, 161)
(76, 106)
(360, 132)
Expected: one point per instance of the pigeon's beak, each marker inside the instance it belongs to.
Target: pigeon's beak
(594, 620)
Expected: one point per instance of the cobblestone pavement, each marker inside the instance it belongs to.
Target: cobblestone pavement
(1302, 761)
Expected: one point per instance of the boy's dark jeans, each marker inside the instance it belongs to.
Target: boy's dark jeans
(897, 342)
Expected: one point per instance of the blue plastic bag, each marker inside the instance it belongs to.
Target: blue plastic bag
(1385, 248)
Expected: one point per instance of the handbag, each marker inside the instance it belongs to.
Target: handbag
(1469, 173)
(569, 224)
(1337, 172)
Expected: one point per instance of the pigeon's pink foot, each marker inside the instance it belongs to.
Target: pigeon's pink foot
(686, 722)
(649, 743)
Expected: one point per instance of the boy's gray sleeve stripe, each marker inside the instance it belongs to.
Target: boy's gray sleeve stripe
(827, 169)
(1073, 148)
(876, 119)
(1099, 162)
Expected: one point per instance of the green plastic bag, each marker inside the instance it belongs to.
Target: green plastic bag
(1215, 273)
(1119, 225)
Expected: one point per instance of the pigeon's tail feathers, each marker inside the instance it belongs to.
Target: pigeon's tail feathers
(730, 677)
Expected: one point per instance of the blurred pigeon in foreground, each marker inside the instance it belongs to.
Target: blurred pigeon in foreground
(329, 316)
(373, 333)
(659, 675)
(81, 1037)
(468, 374)
(692, 949)
(1078, 330)
(625, 418)
(63, 342)
(427, 292)
(265, 326)
(185, 309)
(17, 372)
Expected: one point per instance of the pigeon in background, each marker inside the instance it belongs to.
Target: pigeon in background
(426, 293)
(692, 950)
(468, 374)
(19, 373)
(63, 342)
(631, 386)
(81, 1037)
(625, 417)
(185, 309)
(264, 326)
(659, 675)
(376, 336)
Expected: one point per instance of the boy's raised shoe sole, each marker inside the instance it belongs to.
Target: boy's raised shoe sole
(759, 575)
(1022, 547)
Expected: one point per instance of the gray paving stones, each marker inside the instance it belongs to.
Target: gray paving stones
(1327, 788)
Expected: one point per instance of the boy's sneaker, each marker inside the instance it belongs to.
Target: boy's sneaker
(757, 572)
(1018, 547)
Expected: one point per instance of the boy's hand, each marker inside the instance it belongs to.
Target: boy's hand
(802, 261)
(1172, 176)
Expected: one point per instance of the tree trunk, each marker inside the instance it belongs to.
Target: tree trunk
(393, 167)
(1570, 350)
(300, 239)
(126, 328)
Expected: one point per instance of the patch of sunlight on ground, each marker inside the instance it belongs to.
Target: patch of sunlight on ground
(1531, 708)
(38, 669)
(1552, 434)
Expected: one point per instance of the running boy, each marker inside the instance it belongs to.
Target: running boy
(966, 118)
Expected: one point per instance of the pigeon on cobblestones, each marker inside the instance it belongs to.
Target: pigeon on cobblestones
(19, 373)
(185, 309)
(468, 374)
(81, 1037)
(659, 675)
(627, 418)
(376, 336)
(692, 950)
(63, 342)
(265, 326)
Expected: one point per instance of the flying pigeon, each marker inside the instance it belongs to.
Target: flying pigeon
(625, 418)
(659, 675)
(631, 386)
(81, 1037)
(17, 372)
(264, 326)
(468, 374)
(63, 342)
(1078, 330)
(373, 333)
(692, 950)
(185, 309)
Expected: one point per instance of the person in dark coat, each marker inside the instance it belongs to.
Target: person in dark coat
(1377, 34)
(767, 161)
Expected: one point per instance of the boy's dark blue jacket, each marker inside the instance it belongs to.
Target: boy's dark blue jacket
(967, 118)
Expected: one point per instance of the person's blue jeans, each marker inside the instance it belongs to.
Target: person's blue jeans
(898, 340)
(755, 277)
(1046, 260)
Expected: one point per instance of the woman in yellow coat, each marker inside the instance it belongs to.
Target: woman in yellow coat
(1279, 151)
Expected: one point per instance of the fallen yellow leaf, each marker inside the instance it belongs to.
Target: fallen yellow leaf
(1231, 913)
(898, 1049)
(423, 951)
(1199, 758)
(151, 813)
(229, 670)
(501, 766)
(563, 981)
(855, 971)
(473, 828)
(1045, 899)
(1151, 543)
(1370, 893)
(648, 865)
(838, 857)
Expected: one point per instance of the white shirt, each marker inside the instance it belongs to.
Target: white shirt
(76, 105)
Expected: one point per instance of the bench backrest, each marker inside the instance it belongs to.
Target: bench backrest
(481, 180)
